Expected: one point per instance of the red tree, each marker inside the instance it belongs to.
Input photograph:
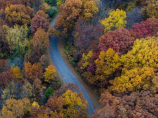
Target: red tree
(5, 78)
(33, 56)
(86, 37)
(38, 22)
(120, 40)
(146, 28)
(135, 105)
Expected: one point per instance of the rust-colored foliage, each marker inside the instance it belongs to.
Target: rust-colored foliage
(42, 14)
(2, 4)
(120, 40)
(33, 71)
(71, 10)
(5, 78)
(2, 64)
(40, 40)
(135, 105)
(37, 88)
(33, 56)
(55, 103)
(39, 22)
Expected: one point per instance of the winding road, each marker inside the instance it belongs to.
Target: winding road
(64, 70)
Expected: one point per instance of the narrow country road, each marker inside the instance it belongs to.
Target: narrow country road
(64, 70)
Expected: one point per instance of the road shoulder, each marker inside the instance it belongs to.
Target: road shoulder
(95, 98)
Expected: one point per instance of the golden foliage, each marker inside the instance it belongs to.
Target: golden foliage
(16, 73)
(132, 80)
(77, 106)
(86, 59)
(50, 73)
(143, 54)
(115, 20)
(107, 62)
(15, 108)
(151, 8)
(18, 14)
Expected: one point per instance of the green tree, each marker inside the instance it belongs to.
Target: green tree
(48, 93)
(51, 1)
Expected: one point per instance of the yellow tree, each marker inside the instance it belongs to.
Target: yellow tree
(115, 20)
(143, 54)
(76, 105)
(89, 8)
(86, 59)
(50, 73)
(132, 80)
(15, 108)
(16, 73)
(151, 8)
(106, 65)
(45, 7)
(107, 62)
(18, 14)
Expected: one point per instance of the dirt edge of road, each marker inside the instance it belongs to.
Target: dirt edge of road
(95, 97)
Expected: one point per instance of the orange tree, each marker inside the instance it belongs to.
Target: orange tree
(33, 71)
(18, 14)
(71, 10)
(40, 40)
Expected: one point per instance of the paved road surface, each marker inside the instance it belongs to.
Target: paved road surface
(63, 69)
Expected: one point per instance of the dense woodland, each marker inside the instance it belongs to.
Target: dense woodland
(112, 44)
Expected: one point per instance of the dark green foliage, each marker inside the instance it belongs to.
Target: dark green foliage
(52, 11)
(51, 1)
(48, 93)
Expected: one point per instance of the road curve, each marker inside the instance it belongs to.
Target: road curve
(64, 70)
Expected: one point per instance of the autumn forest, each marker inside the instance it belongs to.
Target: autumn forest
(112, 45)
